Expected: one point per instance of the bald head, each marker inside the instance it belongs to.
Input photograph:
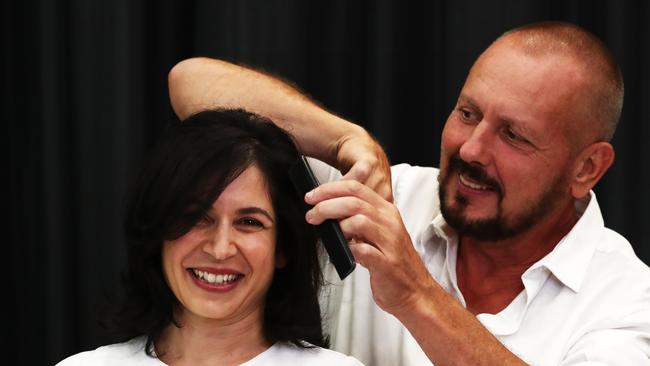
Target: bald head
(601, 93)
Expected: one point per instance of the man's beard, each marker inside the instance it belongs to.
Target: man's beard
(493, 228)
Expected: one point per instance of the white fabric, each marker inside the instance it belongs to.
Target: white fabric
(280, 354)
(129, 353)
(585, 303)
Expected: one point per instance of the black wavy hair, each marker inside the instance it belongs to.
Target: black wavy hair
(187, 170)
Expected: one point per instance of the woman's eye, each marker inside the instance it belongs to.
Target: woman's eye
(205, 220)
(465, 114)
(250, 223)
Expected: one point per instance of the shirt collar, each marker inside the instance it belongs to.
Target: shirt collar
(440, 227)
(570, 258)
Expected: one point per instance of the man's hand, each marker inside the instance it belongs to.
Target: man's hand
(379, 241)
(401, 284)
(362, 159)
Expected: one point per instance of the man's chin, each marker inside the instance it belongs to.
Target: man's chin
(483, 228)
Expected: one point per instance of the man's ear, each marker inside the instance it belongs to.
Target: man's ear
(590, 165)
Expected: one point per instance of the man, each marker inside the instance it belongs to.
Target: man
(500, 257)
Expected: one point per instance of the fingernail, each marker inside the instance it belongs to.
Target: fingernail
(308, 216)
(309, 195)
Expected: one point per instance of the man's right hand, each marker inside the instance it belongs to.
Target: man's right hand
(362, 159)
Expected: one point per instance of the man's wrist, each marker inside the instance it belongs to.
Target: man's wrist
(354, 143)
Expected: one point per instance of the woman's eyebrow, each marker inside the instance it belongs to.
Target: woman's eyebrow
(252, 210)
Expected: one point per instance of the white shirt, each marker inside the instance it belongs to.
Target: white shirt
(132, 353)
(585, 303)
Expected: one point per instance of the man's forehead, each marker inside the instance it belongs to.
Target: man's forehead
(541, 78)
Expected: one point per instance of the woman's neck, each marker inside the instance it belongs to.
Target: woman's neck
(201, 341)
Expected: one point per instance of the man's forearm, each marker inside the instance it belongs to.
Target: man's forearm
(451, 335)
(201, 83)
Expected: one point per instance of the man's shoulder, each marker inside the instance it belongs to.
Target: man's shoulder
(415, 190)
(408, 171)
(617, 273)
(408, 179)
(602, 259)
(415, 193)
(614, 255)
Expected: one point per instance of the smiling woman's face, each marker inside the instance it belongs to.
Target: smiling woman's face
(222, 268)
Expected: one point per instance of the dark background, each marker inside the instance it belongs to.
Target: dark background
(84, 95)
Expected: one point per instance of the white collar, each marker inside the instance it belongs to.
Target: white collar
(570, 258)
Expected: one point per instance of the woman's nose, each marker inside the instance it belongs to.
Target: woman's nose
(220, 243)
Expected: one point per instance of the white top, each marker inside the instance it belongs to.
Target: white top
(585, 303)
(132, 353)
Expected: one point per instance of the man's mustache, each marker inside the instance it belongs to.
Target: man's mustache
(474, 172)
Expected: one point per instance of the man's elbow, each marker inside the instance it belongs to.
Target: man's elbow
(186, 83)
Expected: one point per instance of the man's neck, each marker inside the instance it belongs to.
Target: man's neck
(489, 272)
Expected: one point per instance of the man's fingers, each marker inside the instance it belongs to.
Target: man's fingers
(383, 187)
(366, 254)
(337, 208)
(343, 188)
(359, 172)
(361, 228)
(368, 174)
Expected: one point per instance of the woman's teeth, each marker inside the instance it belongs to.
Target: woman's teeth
(215, 279)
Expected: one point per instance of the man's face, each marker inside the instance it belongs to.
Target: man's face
(506, 158)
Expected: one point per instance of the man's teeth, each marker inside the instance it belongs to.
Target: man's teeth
(472, 184)
(215, 279)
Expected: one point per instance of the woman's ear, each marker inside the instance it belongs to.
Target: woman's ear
(591, 164)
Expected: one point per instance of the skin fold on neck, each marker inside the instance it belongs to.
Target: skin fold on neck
(489, 273)
(201, 341)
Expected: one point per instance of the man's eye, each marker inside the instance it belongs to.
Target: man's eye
(465, 114)
(512, 136)
(517, 140)
(468, 115)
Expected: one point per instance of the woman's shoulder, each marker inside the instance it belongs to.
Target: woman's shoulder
(128, 353)
(288, 354)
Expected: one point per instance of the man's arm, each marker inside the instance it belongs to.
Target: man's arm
(200, 83)
(401, 284)
(447, 332)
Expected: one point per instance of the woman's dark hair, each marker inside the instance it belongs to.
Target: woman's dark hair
(186, 172)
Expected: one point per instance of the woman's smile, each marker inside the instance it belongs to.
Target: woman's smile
(215, 280)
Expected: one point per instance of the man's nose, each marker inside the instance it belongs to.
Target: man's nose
(477, 148)
(221, 242)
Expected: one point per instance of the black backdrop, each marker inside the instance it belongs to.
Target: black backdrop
(84, 95)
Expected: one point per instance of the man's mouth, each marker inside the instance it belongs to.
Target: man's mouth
(468, 182)
(215, 279)
(472, 176)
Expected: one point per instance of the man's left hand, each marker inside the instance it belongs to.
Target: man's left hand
(378, 240)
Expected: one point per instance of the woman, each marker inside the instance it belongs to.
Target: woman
(222, 269)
